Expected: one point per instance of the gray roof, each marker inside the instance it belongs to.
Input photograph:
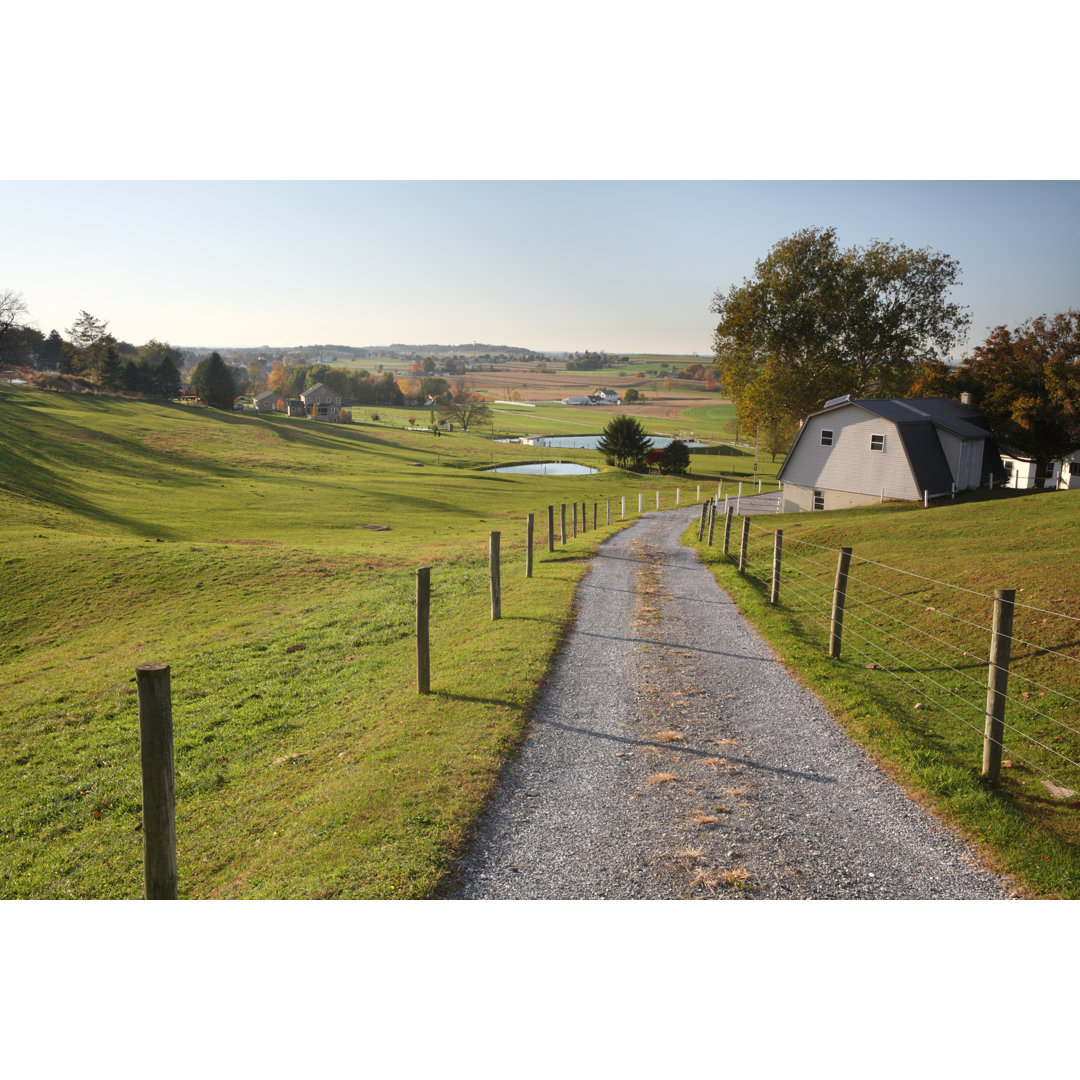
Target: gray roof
(960, 419)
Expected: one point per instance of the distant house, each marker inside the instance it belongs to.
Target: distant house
(295, 407)
(860, 451)
(601, 397)
(322, 403)
(1064, 474)
(266, 401)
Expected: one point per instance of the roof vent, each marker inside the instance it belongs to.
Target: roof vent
(838, 401)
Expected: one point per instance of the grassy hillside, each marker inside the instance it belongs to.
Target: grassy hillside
(239, 550)
(911, 680)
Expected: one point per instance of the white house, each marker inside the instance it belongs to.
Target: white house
(322, 403)
(606, 397)
(1064, 474)
(860, 451)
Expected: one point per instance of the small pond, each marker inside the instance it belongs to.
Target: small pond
(547, 468)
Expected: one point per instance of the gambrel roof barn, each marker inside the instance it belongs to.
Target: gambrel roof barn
(860, 451)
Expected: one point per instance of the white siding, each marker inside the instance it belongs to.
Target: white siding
(849, 465)
(800, 498)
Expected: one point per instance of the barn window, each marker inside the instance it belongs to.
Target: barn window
(826, 438)
(877, 442)
(819, 500)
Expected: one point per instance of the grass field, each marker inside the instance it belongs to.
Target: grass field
(239, 550)
(911, 680)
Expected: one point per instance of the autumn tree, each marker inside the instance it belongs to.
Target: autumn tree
(831, 321)
(1026, 382)
(463, 407)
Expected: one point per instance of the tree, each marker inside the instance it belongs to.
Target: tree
(213, 382)
(675, 458)
(624, 443)
(834, 321)
(12, 310)
(463, 407)
(1027, 385)
(90, 350)
(51, 351)
(633, 394)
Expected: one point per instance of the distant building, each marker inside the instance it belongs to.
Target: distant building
(266, 401)
(322, 403)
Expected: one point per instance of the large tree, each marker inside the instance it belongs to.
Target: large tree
(823, 321)
(213, 382)
(463, 407)
(1026, 382)
(624, 443)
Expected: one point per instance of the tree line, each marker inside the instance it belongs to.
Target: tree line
(817, 322)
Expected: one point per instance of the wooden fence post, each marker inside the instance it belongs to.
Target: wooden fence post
(744, 543)
(727, 528)
(778, 544)
(998, 682)
(624, 508)
(423, 622)
(712, 520)
(574, 516)
(562, 521)
(608, 512)
(594, 507)
(529, 547)
(701, 523)
(843, 563)
(496, 583)
(551, 529)
(158, 784)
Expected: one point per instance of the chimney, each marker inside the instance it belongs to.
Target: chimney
(965, 397)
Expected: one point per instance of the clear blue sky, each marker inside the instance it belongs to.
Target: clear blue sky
(618, 266)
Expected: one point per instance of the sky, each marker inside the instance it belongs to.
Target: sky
(619, 266)
(582, 177)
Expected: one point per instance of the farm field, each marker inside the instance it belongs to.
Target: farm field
(271, 562)
(911, 680)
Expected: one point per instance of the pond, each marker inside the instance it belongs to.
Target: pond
(589, 442)
(547, 468)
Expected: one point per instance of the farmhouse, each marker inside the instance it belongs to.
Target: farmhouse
(322, 403)
(266, 401)
(1064, 474)
(861, 451)
(601, 397)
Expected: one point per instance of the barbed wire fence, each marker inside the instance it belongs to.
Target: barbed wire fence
(934, 638)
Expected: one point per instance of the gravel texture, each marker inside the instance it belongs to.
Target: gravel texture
(672, 756)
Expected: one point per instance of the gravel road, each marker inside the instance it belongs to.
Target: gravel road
(672, 756)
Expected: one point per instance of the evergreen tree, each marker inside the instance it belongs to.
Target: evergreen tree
(675, 458)
(213, 382)
(624, 443)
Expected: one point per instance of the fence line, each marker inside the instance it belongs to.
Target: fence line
(876, 632)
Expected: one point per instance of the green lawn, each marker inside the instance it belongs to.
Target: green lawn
(239, 550)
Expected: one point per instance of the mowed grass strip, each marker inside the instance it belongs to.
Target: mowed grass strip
(236, 550)
(914, 695)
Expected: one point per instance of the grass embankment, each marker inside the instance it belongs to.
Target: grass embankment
(911, 681)
(237, 549)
